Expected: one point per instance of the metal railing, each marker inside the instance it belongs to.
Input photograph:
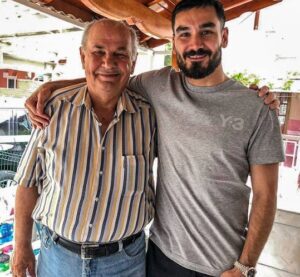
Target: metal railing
(9, 160)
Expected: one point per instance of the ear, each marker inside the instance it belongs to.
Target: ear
(82, 56)
(225, 33)
(133, 64)
(173, 45)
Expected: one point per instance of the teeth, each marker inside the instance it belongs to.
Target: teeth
(196, 57)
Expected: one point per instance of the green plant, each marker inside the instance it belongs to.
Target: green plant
(245, 78)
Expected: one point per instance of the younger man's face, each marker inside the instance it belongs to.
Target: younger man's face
(198, 41)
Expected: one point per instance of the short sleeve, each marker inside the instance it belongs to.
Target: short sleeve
(136, 84)
(150, 83)
(265, 145)
(31, 167)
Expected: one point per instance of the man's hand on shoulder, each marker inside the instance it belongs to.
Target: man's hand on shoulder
(35, 105)
(269, 97)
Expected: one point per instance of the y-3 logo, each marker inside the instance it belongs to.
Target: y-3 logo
(235, 122)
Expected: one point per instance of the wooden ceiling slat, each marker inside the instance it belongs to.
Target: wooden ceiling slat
(153, 2)
(143, 37)
(152, 43)
(234, 3)
(171, 3)
(249, 7)
(67, 8)
(144, 2)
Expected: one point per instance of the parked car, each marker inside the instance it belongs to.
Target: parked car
(15, 130)
(9, 160)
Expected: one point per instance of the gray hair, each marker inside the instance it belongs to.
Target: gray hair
(133, 35)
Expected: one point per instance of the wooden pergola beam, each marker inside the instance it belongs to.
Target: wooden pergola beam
(256, 20)
(231, 4)
(152, 43)
(148, 21)
(252, 6)
(67, 8)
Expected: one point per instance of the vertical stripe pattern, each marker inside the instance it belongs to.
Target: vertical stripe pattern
(93, 187)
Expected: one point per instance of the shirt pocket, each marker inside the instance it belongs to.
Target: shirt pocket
(135, 173)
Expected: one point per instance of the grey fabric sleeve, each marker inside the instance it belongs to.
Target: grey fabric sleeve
(149, 83)
(265, 145)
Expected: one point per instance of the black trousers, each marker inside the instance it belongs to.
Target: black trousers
(159, 265)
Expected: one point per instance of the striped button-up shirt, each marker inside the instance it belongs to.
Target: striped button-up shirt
(93, 187)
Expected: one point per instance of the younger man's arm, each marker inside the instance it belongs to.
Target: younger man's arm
(264, 180)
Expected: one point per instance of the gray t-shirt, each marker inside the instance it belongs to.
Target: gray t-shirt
(207, 139)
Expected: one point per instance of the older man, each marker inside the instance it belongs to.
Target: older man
(87, 177)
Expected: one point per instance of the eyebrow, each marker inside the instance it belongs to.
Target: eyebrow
(208, 25)
(100, 47)
(181, 28)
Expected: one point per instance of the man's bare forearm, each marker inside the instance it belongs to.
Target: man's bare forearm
(25, 202)
(264, 203)
(260, 225)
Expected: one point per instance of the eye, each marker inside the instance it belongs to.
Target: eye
(184, 35)
(206, 33)
(99, 53)
(121, 55)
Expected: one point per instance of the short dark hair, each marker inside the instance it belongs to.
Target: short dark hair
(190, 4)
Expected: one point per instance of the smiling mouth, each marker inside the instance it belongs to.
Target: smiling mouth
(197, 57)
(107, 75)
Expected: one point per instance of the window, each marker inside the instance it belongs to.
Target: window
(11, 82)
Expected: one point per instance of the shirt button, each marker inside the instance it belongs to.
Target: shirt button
(96, 199)
(91, 225)
(101, 173)
(103, 148)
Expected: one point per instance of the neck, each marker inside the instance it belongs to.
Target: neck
(214, 79)
(104, 104)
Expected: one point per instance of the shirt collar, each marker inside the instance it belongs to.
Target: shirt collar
(125, 102)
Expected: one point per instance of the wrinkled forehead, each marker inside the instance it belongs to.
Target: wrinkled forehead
(110, 32)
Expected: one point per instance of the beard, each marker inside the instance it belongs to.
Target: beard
(197, 70)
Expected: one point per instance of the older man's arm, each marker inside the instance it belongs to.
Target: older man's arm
(264, 180)
(23, 257)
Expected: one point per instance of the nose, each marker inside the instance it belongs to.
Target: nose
(196, 42)
(108, 61)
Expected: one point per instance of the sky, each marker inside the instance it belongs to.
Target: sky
(272, 50)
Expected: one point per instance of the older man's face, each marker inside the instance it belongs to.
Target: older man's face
(107, 58)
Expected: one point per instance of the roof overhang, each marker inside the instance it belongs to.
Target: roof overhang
(151, 18)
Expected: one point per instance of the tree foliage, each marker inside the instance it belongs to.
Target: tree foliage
(249, 78)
